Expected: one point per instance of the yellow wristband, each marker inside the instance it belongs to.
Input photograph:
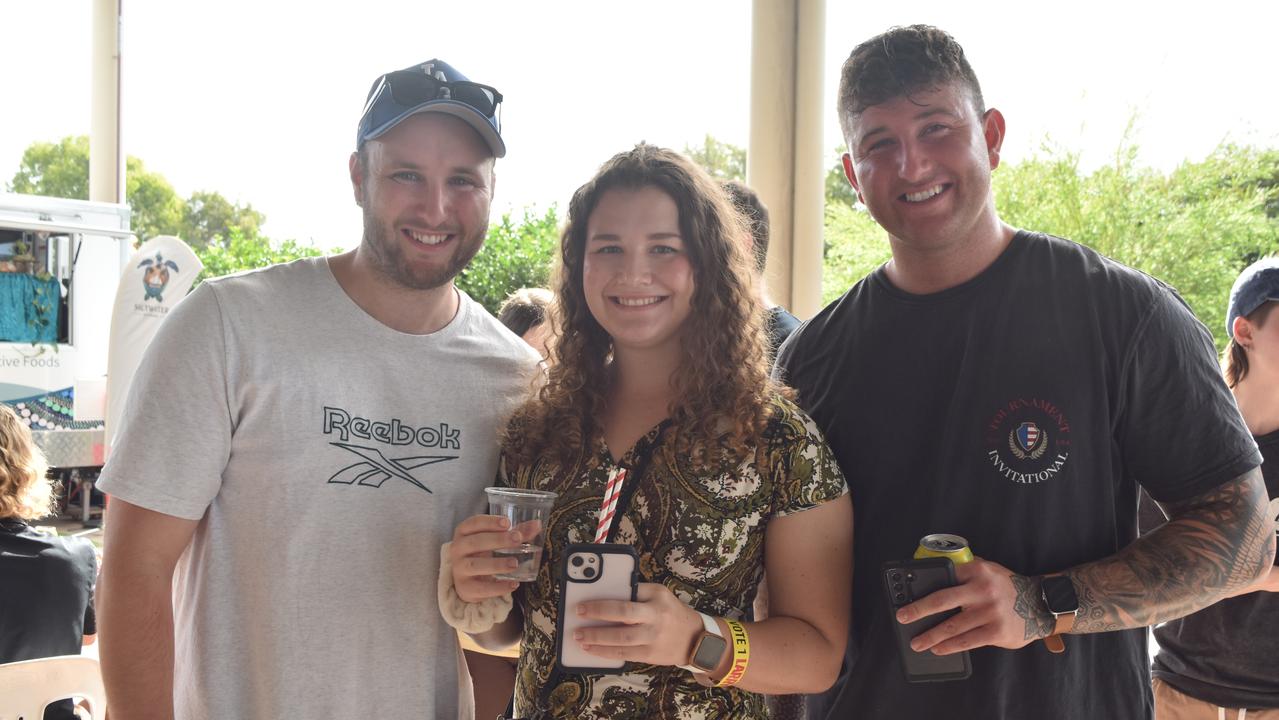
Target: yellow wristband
(741, 654)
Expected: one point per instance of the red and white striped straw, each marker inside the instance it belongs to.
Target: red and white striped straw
(611, 491)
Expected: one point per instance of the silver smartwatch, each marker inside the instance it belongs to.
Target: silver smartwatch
(708, 649)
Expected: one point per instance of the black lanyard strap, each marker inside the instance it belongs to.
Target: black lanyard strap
(640, 460)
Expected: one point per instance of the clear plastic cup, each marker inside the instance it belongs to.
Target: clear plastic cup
(520, 506)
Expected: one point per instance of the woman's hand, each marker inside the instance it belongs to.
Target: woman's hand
(472, 555)
(658, 629)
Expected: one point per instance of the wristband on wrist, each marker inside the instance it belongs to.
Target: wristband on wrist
(469, 617)
(741, 645)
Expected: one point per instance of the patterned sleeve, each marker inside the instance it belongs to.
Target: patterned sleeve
(804, 468)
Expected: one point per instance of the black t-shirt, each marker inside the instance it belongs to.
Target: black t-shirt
(778, 326)
(1020, 410)
(46, 601)
(1228, 653)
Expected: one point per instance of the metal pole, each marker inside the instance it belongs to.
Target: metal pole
(106, 152)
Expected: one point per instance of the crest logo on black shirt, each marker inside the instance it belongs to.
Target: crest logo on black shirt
(1028, 440)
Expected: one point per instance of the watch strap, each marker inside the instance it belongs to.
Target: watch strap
(1062, 625)
(712, 628)
(1065, 623)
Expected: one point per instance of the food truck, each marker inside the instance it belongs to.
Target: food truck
(60, 263)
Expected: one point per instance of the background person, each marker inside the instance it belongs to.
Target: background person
(1223, 659)
(661, 370)
(305, 437)
(1015, 389)
(46, 581)
(525, 313)
(779, 323)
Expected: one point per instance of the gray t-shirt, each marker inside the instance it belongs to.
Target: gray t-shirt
(327, 457)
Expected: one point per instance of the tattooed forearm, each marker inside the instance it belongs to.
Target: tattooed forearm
(1030, 607)
(1212, 545)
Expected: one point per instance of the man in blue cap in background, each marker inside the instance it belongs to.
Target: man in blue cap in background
(1220, 661)
(303, 438)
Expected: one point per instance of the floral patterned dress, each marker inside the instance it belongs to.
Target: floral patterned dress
(699, 533)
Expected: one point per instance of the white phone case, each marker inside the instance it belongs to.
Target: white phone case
(605, 572)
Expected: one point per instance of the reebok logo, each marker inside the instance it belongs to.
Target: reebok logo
(373, 467)
(339, 421)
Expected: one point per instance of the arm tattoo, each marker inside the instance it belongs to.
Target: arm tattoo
(1030, 607)
(1215, 543)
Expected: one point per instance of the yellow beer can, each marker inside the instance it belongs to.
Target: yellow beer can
(944, 545)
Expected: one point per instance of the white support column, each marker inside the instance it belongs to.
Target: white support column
(784, 159)
(810, 160)
(106, 152)
(771, 148)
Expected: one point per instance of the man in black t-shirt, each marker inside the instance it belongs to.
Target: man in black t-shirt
(1016, 389)
(780, 323)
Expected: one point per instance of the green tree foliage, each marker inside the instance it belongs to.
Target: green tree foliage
(515, 255)
(838, 191)
(61, 169)
(854, 245)
(241, 251)
(1194, 228)
(58, 169)
(724, 161)
(157, 209)
(208, 219)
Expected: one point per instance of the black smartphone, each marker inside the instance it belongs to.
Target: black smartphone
(905, 582)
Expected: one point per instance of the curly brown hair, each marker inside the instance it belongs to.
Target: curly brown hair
(722, 387)
(25, 493)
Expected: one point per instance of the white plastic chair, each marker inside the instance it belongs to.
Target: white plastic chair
(27, 686)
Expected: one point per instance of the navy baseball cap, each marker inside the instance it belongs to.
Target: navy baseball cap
(432, 86)
(1257, 285)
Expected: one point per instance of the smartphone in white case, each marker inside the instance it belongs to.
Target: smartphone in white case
(591, 571)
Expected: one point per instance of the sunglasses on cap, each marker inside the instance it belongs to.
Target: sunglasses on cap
(411, 87)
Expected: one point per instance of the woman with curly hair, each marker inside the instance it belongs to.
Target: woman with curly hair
(46, 608)
(659, 368)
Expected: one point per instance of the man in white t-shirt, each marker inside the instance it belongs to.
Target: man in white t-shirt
(301, 439)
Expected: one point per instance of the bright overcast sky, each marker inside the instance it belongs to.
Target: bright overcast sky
(259, 100)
